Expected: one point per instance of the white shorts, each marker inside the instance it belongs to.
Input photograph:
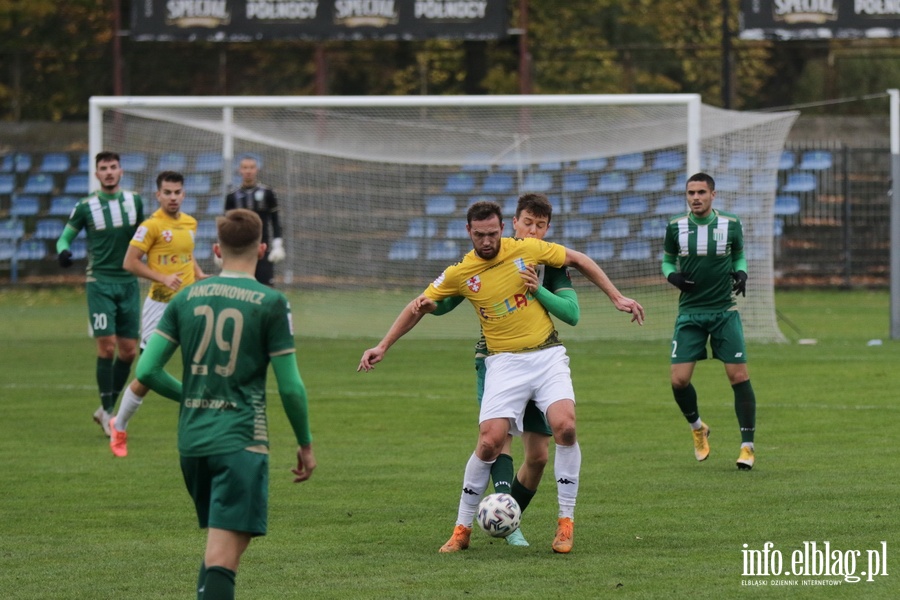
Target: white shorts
(512, 379)
(150, 316)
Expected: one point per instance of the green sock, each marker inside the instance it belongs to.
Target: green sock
(120, 372)
(687, 402)
(522, 494)
(219, 584)
(201, 580)
(745, 409)
(502, 474)
(105, 383)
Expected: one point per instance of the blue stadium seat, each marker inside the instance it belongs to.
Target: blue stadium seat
(671, 205)
(477, 161)
(537, 182)
(744, 207)
(594, 205)
(799, 182)
(762, 181)
(206, 230)
(636, 250)
(710, 160)
(550, 165)
(653, 228)
(55, 162)
(576, 229)
(7, 250)
(61, 206)
(787, 161)
(509, 206)
(440, 205)
(197, 184)
(404, 250)
(456, 230)
(25, 206)
(445, 250)
(728, 182)
(172, 161)
(777, 227)
(48, 229)
(615, 181)
(21, 162)
(6, 163)
(629, 162)
(215, 206)
(668, 160)
(133, 162)
(651, 181)
(498, 183)
(189, 205)
(208, 162)
(32, 250)
(787, 205)
(78, 248)
(633, 205)
(575, 181)
(7, 183)
(816, 160)
(679, 184)
(12, 229)
(420, 228)
(203, 250)
(480, 198)
(600, 250)
(459, 183)
(39, 183)
(741, 161)
(76, 185)
(614, 229)
(129, 182)
(592, 164)
(84, 163)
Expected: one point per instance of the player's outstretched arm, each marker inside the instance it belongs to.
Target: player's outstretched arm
(296, 407)
(408, 318)
(150, 371)
(598, 277)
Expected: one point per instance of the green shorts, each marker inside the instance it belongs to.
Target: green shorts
(114, 308)
(533, 421)
(230, 491)
(723, 330)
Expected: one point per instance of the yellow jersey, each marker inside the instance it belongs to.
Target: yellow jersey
(169, 246)
(511, 317)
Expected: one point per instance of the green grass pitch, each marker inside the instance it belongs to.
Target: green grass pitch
(651, 522)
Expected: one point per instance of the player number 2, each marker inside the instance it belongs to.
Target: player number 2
(674, 349)
(216, 326)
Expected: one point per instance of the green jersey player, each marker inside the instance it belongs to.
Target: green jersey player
(704, 258)
(230, 328)
(110, 217)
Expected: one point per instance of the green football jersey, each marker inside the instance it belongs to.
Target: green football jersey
(705, 249)
(228, 328)
(110, 221)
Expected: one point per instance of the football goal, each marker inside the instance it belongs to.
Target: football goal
(373, 191)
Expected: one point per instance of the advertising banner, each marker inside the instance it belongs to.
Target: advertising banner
(819, 19)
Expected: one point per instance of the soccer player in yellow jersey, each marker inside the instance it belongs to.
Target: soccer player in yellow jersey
(525, 359)
(167, 240)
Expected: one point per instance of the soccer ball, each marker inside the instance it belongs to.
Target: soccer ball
(499, 515)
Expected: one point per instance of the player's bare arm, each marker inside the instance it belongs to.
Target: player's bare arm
(408, 318)
(598, 277)
(133, 263)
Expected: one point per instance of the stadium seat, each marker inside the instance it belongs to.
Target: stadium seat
(84, 163)
(129, 182)
(498, 183)
(7, 183)
(203, 250)
(761, 181)
(456, 230)
(459, 183)
(777, 227)
(600, 250)
(197, 184)
(613, 229)
(728, 182)
(404, 250)
(633, 205)
(668, 160)
(12, 229)
(560, 204)
(550, 165)
(787, 161)
(208, 162)
(421, 228)
(575, 181)
(480, 198)
(815, 160)
(671, 205)
(710, 160)
(744, 207)
(39, 183)
(55, 162)
(800, 182)
(77, 185)
(48, 229)
(440, 205)
(189, 205)
(78, 249)
(477, 161)
(172, 161)
(615, 181)
(537, 182)
(653, 228)
(135, 162)
(629, 162)
(215, 206)
(32, 250)
(576, 229)
(787, 205)
(25, 206)
(636, 250)
(206, 230)
(592, 164)
(446, 250)
(61, 206)
(594, 205)
(679, 184)
(21, 162)
(7, 250)
(509, 206)
(741, 161)
(6, 163)
(651, 181)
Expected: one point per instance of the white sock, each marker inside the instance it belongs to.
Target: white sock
(475, 481)
(696, 424)
(127, 407)
(566, 467)
(747, 445)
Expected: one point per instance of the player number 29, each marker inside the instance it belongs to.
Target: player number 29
(216, 325)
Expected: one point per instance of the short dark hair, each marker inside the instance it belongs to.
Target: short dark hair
(239, 229)
(481, 211)
(170, 176)
(536, 204)
(707, 179)
(106, 156)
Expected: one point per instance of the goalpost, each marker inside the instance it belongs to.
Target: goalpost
(373, 190)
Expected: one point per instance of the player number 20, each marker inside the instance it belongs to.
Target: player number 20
(215, 326)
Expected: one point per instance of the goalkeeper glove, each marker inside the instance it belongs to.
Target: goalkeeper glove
(277, 254)
(681, 282)
(65, 259)
(740, 283)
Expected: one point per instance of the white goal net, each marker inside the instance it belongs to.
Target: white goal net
(373, 191)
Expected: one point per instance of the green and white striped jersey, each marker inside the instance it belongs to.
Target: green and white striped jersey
(110, 221)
